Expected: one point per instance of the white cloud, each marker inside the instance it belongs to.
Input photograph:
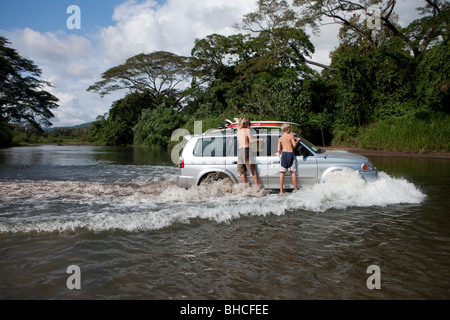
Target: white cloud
(324, 42)
(71, 64)
(408, 11)
(52, 46)
(135, 31)
(148, 26)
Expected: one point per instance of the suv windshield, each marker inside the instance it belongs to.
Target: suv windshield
(312, 147)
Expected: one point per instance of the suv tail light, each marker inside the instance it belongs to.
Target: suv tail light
(367, 166)
(181, 163)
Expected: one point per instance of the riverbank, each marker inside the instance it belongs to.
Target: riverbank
(421, 134)
(388, 153)
(54, 143)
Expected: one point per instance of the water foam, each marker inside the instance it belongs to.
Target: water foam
(49, 206)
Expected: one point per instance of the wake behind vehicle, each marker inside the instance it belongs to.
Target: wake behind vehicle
(212, 156)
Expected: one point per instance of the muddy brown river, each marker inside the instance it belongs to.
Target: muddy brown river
(117, 215)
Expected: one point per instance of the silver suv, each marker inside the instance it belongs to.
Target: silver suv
(213, 156)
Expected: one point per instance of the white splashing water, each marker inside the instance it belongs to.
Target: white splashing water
(48, 206)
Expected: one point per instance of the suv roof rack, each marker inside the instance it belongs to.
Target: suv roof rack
(255, 125)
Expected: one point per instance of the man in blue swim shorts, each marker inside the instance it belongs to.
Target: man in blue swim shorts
(286, 145)
(287, 162)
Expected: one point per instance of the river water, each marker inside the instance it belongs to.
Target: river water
(117, 215)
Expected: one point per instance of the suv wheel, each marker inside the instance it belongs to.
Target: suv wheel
(216, 176)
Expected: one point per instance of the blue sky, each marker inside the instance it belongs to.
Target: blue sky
(115, 30)
(50, 15)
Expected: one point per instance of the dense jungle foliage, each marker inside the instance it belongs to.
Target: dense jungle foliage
(387, 86)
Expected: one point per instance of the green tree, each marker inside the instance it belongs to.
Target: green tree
(387, 71)
(432, 78)
(152, 80)
(97, 128)
(353, 15)
(283, 32)
(216, 55)
(248, 74)
(372, 87)
(22, 95)
(116, 129)
(155, 127)
(158, 73)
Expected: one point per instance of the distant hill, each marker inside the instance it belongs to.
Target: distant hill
(83, 125)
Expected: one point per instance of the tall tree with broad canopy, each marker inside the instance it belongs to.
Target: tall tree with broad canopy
(280, 23)
(158, 74)
(22, 96)
(275, 17)
(416, 37)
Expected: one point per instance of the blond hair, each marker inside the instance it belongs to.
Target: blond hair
(243, 123)
(285, 127)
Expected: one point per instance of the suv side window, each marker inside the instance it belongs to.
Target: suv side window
(303, 151)
(210, 147)
(272, 145)
(232, 147)
(260, 149)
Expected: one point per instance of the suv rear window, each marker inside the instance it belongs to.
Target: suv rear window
(210, 147)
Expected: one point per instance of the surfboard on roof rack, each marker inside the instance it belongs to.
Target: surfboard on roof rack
(255, 125)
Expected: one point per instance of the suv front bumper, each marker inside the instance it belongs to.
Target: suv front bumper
(369, 176)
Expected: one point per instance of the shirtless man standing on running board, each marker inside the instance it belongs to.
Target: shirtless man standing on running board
(286, 145)
(245, 158)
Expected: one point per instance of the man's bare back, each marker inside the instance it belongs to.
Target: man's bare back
(286, 143)
(244, 138)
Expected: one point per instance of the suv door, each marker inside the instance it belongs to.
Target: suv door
(260, 157)
(306, 167)
(231, 160)
(273, 166)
